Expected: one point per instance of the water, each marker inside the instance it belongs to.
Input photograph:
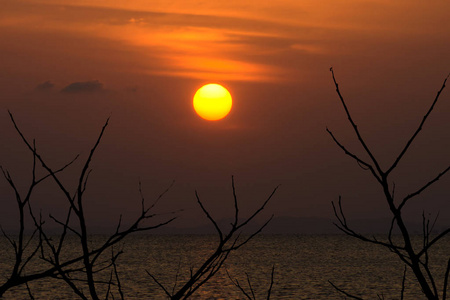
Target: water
(303, 267)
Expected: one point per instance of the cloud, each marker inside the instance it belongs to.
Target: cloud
(45, 86)
(83, 87)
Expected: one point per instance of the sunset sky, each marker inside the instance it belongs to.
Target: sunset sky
(68, 65)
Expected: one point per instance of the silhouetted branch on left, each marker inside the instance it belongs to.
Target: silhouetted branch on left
(90, 261)
(228, 241)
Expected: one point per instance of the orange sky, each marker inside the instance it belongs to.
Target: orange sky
(223, 40)
(142, 61)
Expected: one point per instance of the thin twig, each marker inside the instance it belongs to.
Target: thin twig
(403, 284)
(344, 292)
(402, 153)
(355, 128)
(269, 292)
(446, 276)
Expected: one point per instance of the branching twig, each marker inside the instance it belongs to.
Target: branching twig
(344, 292)
(228, 242)
(416, 260)
(89, 257)
(425, 117)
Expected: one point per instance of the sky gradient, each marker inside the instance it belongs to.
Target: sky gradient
(66, 66)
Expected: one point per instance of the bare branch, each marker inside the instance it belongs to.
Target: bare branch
(236, 208)
(157, 199)
(176, 277)
(269, 292)
(259, 209)
(407, 252)
(110, 283)
(13, 243)
(89, 258)
(238, 285)
(29, 291)
(250, 286)
(228, 242)
(403, 284)
(249, 283)
(44, 165)
(402, 153)
(344, 227)
(358, 160)
(58, 170)
(344, 292)
(355, 128)
(219, 232)
(423, 188)
(446, 276)
(88, 160)
(116, 274)
(65, 225)
(160, 284)
(235, 247)
(433, 241)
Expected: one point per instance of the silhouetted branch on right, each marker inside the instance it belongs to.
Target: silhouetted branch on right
(228, 242)
(415, 258)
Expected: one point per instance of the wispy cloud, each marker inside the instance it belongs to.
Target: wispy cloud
(45, 86)
(83, 87)
(175, 43)
(232, 40)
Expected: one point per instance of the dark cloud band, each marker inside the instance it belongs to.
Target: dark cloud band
(83, 87)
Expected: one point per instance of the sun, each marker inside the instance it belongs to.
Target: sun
(212, 102)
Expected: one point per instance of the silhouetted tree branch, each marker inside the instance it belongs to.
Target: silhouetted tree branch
(84, 266)
(344, 292)
(415, 259)
(251, 295)
(228, 241)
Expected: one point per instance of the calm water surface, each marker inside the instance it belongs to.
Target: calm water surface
(303, 266)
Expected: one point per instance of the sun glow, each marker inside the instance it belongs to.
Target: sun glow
(212, 102)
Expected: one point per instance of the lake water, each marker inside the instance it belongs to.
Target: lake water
(303, 266)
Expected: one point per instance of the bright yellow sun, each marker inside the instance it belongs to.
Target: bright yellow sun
(212, 102)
